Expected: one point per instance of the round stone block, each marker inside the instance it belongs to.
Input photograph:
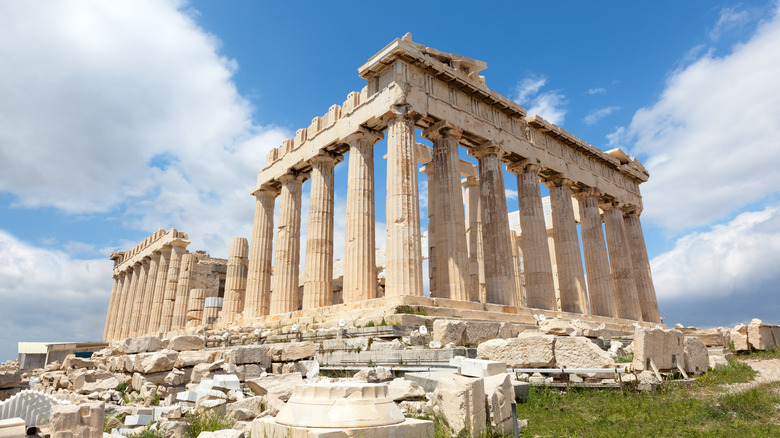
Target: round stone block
(340, 404)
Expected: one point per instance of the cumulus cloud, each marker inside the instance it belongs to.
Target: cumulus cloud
(710, 140)
(549, 104)
(49, 296)
(126, 106)
(726, 269)
(597, 114)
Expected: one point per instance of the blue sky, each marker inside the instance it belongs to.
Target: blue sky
(120, 118)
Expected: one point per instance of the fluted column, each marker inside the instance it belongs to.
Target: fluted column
(537, 267)
(474, 238)
(195, 307)
(111, 304)
(127, 320)
(403, 250)
(174, 266)
(189, 262)
(160, 283)
(518, 268)
(258, 287)
(288, 244)
(600, 288)
(235, 280)
(360, 280)
(571, 276)
(432, 217)
(318, 275)
(148, 297)
(648, 302)
(115, 314)
(138, 299)
(120, 310)
(627, 301)
(499, 270)
(452, 270)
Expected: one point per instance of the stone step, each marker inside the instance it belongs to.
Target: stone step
(394, 357)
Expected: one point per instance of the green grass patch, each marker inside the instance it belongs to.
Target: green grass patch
(672, 412)
(626, 358)
(735, 372)
(207, 421)
(148, 432)
(774, 353)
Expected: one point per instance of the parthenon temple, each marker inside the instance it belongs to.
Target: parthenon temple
(579, 254)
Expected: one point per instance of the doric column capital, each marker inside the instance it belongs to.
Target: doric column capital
(586, 192)
(557, 180)
(470, 181)
(427, 169)
(155, 255)
(326, 158)
(631, 210)
(523, 166)
(609, 204)
(363, 134)
(442, 129)
(293, 175)
(486, 149)
(266, 192)
(399, 112)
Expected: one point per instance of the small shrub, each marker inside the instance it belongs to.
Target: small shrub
(383, 323)
(148, 432)
(370, 324)
(207, 421)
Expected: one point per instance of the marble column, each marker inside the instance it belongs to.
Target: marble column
(600, 287)
(235, 280)
(288, 243)
(189, 262)
(537, 267)
(160, 283)
(127, 320)
(120, 310)
(258, 286)
(474, 238)
(178, 249)
(115, 314)
(111, 305)
(403, 271)
(432, 217)
(360, 279)
(452, 268)
(648, 302)
(195, 307)
(148, 298)
(571, 276)
(518, 268)
(627, 301)
(318, 274)
(499, 270)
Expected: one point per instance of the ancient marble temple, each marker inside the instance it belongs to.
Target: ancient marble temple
(477, 262)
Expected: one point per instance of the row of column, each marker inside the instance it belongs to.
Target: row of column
(618, 269)
(143, 296)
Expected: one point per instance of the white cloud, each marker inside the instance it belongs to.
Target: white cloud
(529, 87)
(730, 18)
(49, 296)
(711, 139)
(127, 105)
(729, 260)
(550, 104)
(594, 91)
(598, 114)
